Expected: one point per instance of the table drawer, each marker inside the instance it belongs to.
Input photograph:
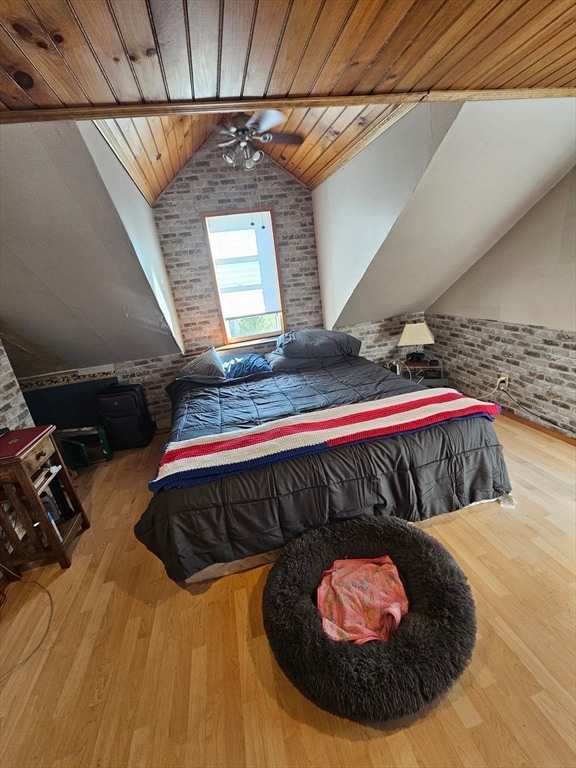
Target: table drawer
(39, 455)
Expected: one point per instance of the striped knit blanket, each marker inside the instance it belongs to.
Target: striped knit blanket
(192, 462)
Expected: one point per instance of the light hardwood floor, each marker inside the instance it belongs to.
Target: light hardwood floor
(137, 672)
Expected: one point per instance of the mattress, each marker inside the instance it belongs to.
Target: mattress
(415, 475)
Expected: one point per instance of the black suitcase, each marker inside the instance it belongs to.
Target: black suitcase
(125, 417)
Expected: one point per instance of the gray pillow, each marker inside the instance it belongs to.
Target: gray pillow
(317, 342)
(279, 362)
(205, 368)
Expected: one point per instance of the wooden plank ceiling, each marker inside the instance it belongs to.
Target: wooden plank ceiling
(157, 75)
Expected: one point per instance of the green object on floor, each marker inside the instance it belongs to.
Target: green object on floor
(83, 446)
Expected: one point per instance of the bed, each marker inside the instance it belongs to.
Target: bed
(202, 523)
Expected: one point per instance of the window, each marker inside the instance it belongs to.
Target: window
(246, 272)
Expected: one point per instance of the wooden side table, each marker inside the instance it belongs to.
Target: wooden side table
(31, 464)
(428, 375)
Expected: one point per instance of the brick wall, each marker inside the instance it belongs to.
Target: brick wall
(379, 342)
(14, 412)
(208, 186)
(541, 363)
(380, 339)
(155, 374)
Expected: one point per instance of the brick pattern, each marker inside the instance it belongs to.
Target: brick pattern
(155, 374)
(208, 186)
(379, 342)
(14, 412)
(380, 339)
(541, 363)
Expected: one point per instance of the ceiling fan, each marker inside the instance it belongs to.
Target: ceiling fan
(245, 133)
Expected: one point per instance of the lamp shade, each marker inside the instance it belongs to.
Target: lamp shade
(415, 334)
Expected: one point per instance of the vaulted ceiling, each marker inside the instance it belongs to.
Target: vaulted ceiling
(157, 75)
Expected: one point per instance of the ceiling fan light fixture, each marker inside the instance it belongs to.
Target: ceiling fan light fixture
(245, 137)
(231, 156)
(250, 155)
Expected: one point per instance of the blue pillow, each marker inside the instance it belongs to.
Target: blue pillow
(240, 366)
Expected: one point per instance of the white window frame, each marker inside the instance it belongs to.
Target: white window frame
(263, 222)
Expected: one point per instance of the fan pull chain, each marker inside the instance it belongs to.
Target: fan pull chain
(262, 226)
(249, 200)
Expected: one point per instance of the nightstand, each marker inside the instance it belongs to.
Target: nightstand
(428, 375)
(40, 513)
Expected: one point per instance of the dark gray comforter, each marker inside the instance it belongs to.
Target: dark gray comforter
(414, 476)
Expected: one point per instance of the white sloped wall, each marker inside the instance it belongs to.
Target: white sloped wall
(138, 219)
(356, 208)
(495, 161)
(529, 276)
(70, 278)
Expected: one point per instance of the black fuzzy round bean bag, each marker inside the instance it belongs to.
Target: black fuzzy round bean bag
(376, 681)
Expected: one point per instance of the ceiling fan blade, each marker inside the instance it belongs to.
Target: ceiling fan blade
(286, 138)
(228, 143)
(265, 119)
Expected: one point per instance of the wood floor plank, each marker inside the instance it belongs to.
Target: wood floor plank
(136, 671)
(563, 720)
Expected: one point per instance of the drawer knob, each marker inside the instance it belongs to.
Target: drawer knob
(41, 455)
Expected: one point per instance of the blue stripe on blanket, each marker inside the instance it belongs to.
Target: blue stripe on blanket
(192, 477)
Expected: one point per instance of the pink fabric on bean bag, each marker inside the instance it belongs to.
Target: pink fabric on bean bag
(361, 600)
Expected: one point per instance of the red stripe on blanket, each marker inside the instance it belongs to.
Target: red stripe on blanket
(408, 426)
(243, 441)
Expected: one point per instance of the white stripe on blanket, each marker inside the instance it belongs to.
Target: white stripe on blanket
(359, 421)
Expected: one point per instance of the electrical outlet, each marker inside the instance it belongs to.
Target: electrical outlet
(503, 381)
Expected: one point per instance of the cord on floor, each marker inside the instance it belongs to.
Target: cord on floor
(27, 658)
(520, 405)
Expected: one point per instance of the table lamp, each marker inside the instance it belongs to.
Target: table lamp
(416, 335)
